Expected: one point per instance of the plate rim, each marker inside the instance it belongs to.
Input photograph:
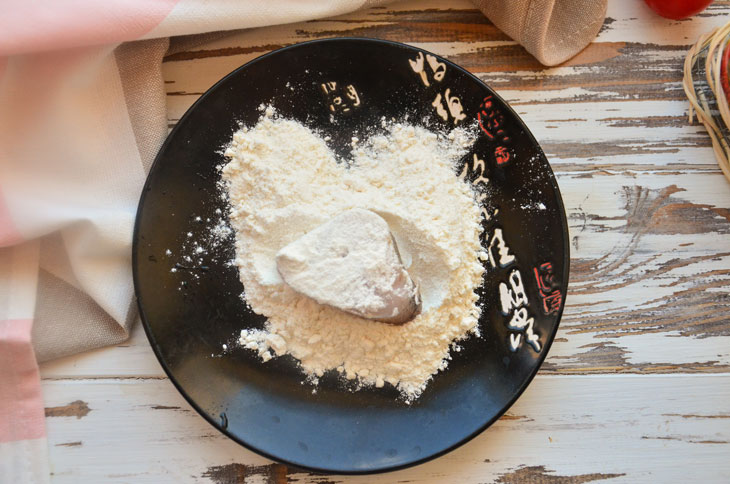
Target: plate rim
(155, 346)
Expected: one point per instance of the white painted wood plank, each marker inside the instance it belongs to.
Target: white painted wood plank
(639, 267)
(667, 351)
(601, 212)
(634, 22)
(656, 130)
(672, 428)
(185, 88)
(611, 133)
(628, 22)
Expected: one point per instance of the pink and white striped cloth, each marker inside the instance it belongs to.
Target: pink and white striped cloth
(82, 114)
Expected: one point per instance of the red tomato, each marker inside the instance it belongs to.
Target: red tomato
(678, 9)
(724, 72)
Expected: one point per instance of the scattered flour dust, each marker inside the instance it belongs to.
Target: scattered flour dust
(283, 181)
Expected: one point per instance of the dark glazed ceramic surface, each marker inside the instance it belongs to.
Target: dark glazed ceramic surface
(188, 314)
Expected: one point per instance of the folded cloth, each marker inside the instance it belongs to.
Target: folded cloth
(551, 30)
(81, 119)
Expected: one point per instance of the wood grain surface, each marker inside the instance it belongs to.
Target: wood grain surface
(636, 387)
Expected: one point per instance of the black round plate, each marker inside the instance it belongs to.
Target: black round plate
(338, 87)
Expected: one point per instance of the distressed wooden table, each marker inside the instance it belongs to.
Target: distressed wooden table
(636, 387)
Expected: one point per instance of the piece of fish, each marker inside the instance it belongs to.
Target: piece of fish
(352, 263)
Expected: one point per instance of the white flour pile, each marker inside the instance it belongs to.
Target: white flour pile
(283, 181)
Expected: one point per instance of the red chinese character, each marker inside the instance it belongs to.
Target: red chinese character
(481, 124)
(491, 121)
(485, 113)
(501, 155)
(545, 278)
(551, 303)
(550, 293)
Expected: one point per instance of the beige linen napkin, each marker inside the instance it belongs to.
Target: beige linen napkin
(551, 30)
